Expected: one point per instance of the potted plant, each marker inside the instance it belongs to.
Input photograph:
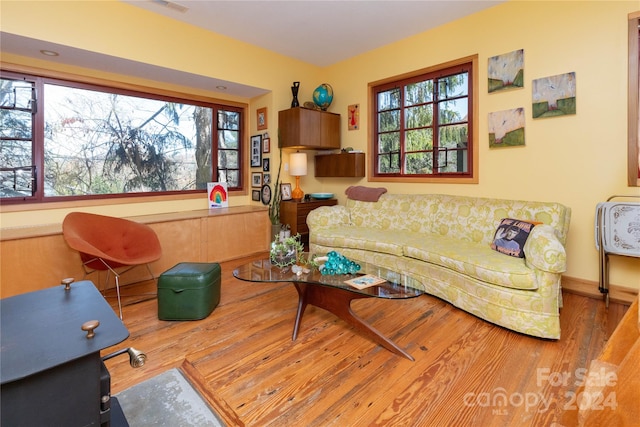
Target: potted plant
(287, 251)
(274, 206)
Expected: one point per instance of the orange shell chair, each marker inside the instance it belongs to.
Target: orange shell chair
(107, 243)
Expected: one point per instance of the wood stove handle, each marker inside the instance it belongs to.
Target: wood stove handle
(67, 283)
(89, 326)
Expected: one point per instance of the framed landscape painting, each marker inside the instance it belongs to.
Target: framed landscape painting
(554, 96)
(506, 71)
(506, 128)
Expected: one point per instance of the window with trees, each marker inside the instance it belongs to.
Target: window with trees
(64, 140)
(423, 124)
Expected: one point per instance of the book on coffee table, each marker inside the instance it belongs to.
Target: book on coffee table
(365, 281)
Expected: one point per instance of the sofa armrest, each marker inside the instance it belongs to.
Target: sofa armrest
(328, 216)
(544, 251)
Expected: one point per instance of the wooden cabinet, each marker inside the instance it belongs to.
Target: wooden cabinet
(340, 165)
(295, 214)
(207, 235)
(305, 128)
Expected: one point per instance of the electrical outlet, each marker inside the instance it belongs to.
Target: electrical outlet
(286, 167)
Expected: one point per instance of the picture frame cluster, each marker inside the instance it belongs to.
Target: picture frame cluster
(551, 96)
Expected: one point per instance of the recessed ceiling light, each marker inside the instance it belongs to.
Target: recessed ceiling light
(220, 87)
(49, 52)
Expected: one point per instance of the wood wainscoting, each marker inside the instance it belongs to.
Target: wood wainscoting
(35, 258)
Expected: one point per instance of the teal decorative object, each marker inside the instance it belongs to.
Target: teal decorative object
(323, 96)
(339, 264)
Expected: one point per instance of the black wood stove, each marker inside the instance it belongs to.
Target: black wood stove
(50, 364)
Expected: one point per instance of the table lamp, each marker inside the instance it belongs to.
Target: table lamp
(297, 168)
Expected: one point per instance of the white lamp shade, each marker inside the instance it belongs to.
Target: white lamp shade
(298, 164)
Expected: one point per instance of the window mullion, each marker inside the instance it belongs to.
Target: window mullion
(436, 126)
(403, 131)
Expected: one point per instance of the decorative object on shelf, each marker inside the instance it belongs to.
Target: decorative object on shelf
(285, 190)
(285, 252)
(311, 106)
(217, 195)
(323, 96)
(321, 196)
(297, 168)
(337, 264)
(262, 118)
(294, 92)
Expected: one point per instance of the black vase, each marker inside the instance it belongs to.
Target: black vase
(294, 91)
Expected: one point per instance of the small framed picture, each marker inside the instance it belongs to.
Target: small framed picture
(285, 191)
(256, 179)
(262, 118)
(266, 194)
(266, 145)
(255, 195)
(256, 151)
(265, 165)
(266, 178)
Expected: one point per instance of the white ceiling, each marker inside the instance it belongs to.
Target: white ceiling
(319, 32)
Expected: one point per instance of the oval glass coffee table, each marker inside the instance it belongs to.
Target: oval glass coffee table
(334, 295)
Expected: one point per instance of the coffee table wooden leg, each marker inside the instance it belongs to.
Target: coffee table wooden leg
(302, 304)
(338, 302)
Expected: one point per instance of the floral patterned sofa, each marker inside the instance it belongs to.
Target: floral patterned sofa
(445, 241)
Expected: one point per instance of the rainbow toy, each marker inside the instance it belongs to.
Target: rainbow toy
(217, 194)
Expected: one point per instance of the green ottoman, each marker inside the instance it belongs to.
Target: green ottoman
(188, 291)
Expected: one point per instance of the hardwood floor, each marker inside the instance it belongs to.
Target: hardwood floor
(467, 372)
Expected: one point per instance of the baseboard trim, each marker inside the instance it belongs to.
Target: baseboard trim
(589, 288)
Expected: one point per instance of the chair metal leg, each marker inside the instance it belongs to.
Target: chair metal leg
(603, 259)
(118, 292)
(116, 275)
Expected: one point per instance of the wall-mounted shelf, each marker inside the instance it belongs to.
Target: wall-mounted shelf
(306, 128)
(340, 165)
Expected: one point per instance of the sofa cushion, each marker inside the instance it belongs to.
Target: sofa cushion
(394, 212)
(474, 259)
(511, 236)
(370, 239)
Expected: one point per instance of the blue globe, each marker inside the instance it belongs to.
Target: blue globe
(323, 96)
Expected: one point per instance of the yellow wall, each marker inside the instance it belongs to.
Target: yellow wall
(577, 160)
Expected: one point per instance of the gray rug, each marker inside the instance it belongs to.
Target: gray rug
(167, 399)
